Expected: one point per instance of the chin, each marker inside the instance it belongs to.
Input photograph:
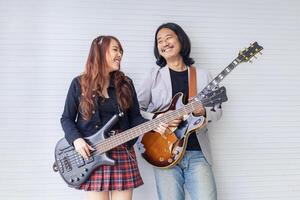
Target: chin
(116, 68)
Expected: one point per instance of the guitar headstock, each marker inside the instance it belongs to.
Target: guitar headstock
(248, 53)
(214, 97)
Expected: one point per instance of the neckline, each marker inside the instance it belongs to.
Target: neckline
(179, 72)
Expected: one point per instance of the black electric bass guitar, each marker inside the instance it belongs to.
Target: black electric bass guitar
(166, 150)
(75, 170)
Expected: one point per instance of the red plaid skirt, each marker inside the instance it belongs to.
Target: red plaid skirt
(123, 175)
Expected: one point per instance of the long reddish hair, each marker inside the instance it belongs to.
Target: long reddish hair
(92, 79)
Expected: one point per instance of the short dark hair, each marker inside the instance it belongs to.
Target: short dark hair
(184, 41)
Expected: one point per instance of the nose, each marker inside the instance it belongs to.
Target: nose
(165, 43)
(119, 54)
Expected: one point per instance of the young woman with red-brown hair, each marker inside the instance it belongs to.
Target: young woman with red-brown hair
(93, 98)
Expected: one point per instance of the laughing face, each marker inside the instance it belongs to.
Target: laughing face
(168, 44)
(113, 56)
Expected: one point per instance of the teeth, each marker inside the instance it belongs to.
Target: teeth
(166, 49)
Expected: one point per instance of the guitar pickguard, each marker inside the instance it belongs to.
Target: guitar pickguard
(189, 123)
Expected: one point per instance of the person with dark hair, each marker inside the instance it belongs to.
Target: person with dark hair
(93, 98)
(172, 52)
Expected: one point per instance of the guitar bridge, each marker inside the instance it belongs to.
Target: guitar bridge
(66, 164)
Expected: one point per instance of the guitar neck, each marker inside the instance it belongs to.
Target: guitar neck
(214, 83)
(132, 133)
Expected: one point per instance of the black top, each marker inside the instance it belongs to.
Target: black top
(106, 111)
(180, 83)
(75, 126)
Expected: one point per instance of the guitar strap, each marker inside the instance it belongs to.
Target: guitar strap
(192, 82)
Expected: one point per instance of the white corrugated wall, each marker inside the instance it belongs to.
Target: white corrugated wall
(44, 44)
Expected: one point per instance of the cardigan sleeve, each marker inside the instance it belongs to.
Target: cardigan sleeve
(70, 112)
(134, 115)
(144, 95)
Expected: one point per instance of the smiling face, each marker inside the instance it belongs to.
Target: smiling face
(168, 44)
(113, 56)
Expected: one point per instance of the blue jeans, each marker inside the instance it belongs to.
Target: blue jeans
(194, 172)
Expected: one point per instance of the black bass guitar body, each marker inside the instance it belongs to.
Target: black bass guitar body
(73, 168)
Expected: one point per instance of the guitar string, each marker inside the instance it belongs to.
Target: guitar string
(211, 84)
(73, 158)
(167, 115)
(108, 144)
(111, 142)
(103, 143)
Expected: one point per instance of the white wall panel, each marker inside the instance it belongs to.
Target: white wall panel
(44, 44)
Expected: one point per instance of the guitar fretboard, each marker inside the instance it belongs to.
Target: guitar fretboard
(214, 83)
(129, 134)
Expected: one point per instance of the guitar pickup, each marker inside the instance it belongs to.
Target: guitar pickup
(66, 164)
(79, 161)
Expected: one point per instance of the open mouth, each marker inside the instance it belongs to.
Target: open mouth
(167, 49)
(117, 61)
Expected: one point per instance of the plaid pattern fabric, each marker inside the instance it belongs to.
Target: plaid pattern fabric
(123, 175)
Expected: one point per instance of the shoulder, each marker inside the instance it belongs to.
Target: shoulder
(75, 84)
(129, 82)
(151, 75)
(157, 71)
(76, 80)
(154, 71)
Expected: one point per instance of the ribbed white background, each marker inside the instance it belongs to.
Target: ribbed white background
(44, 44)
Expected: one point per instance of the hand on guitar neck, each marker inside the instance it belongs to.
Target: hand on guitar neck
(171, 125)
(199, 111)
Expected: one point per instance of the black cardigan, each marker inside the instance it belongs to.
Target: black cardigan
(75, 126)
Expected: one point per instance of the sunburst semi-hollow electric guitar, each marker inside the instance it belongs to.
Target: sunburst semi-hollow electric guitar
(75, 170)
(166, 150)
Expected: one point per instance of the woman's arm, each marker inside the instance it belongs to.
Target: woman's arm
(134, 116)
(70, 112)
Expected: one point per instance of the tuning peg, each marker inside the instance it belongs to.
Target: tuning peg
(250, 61)
(260, 53)
(254, 57)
